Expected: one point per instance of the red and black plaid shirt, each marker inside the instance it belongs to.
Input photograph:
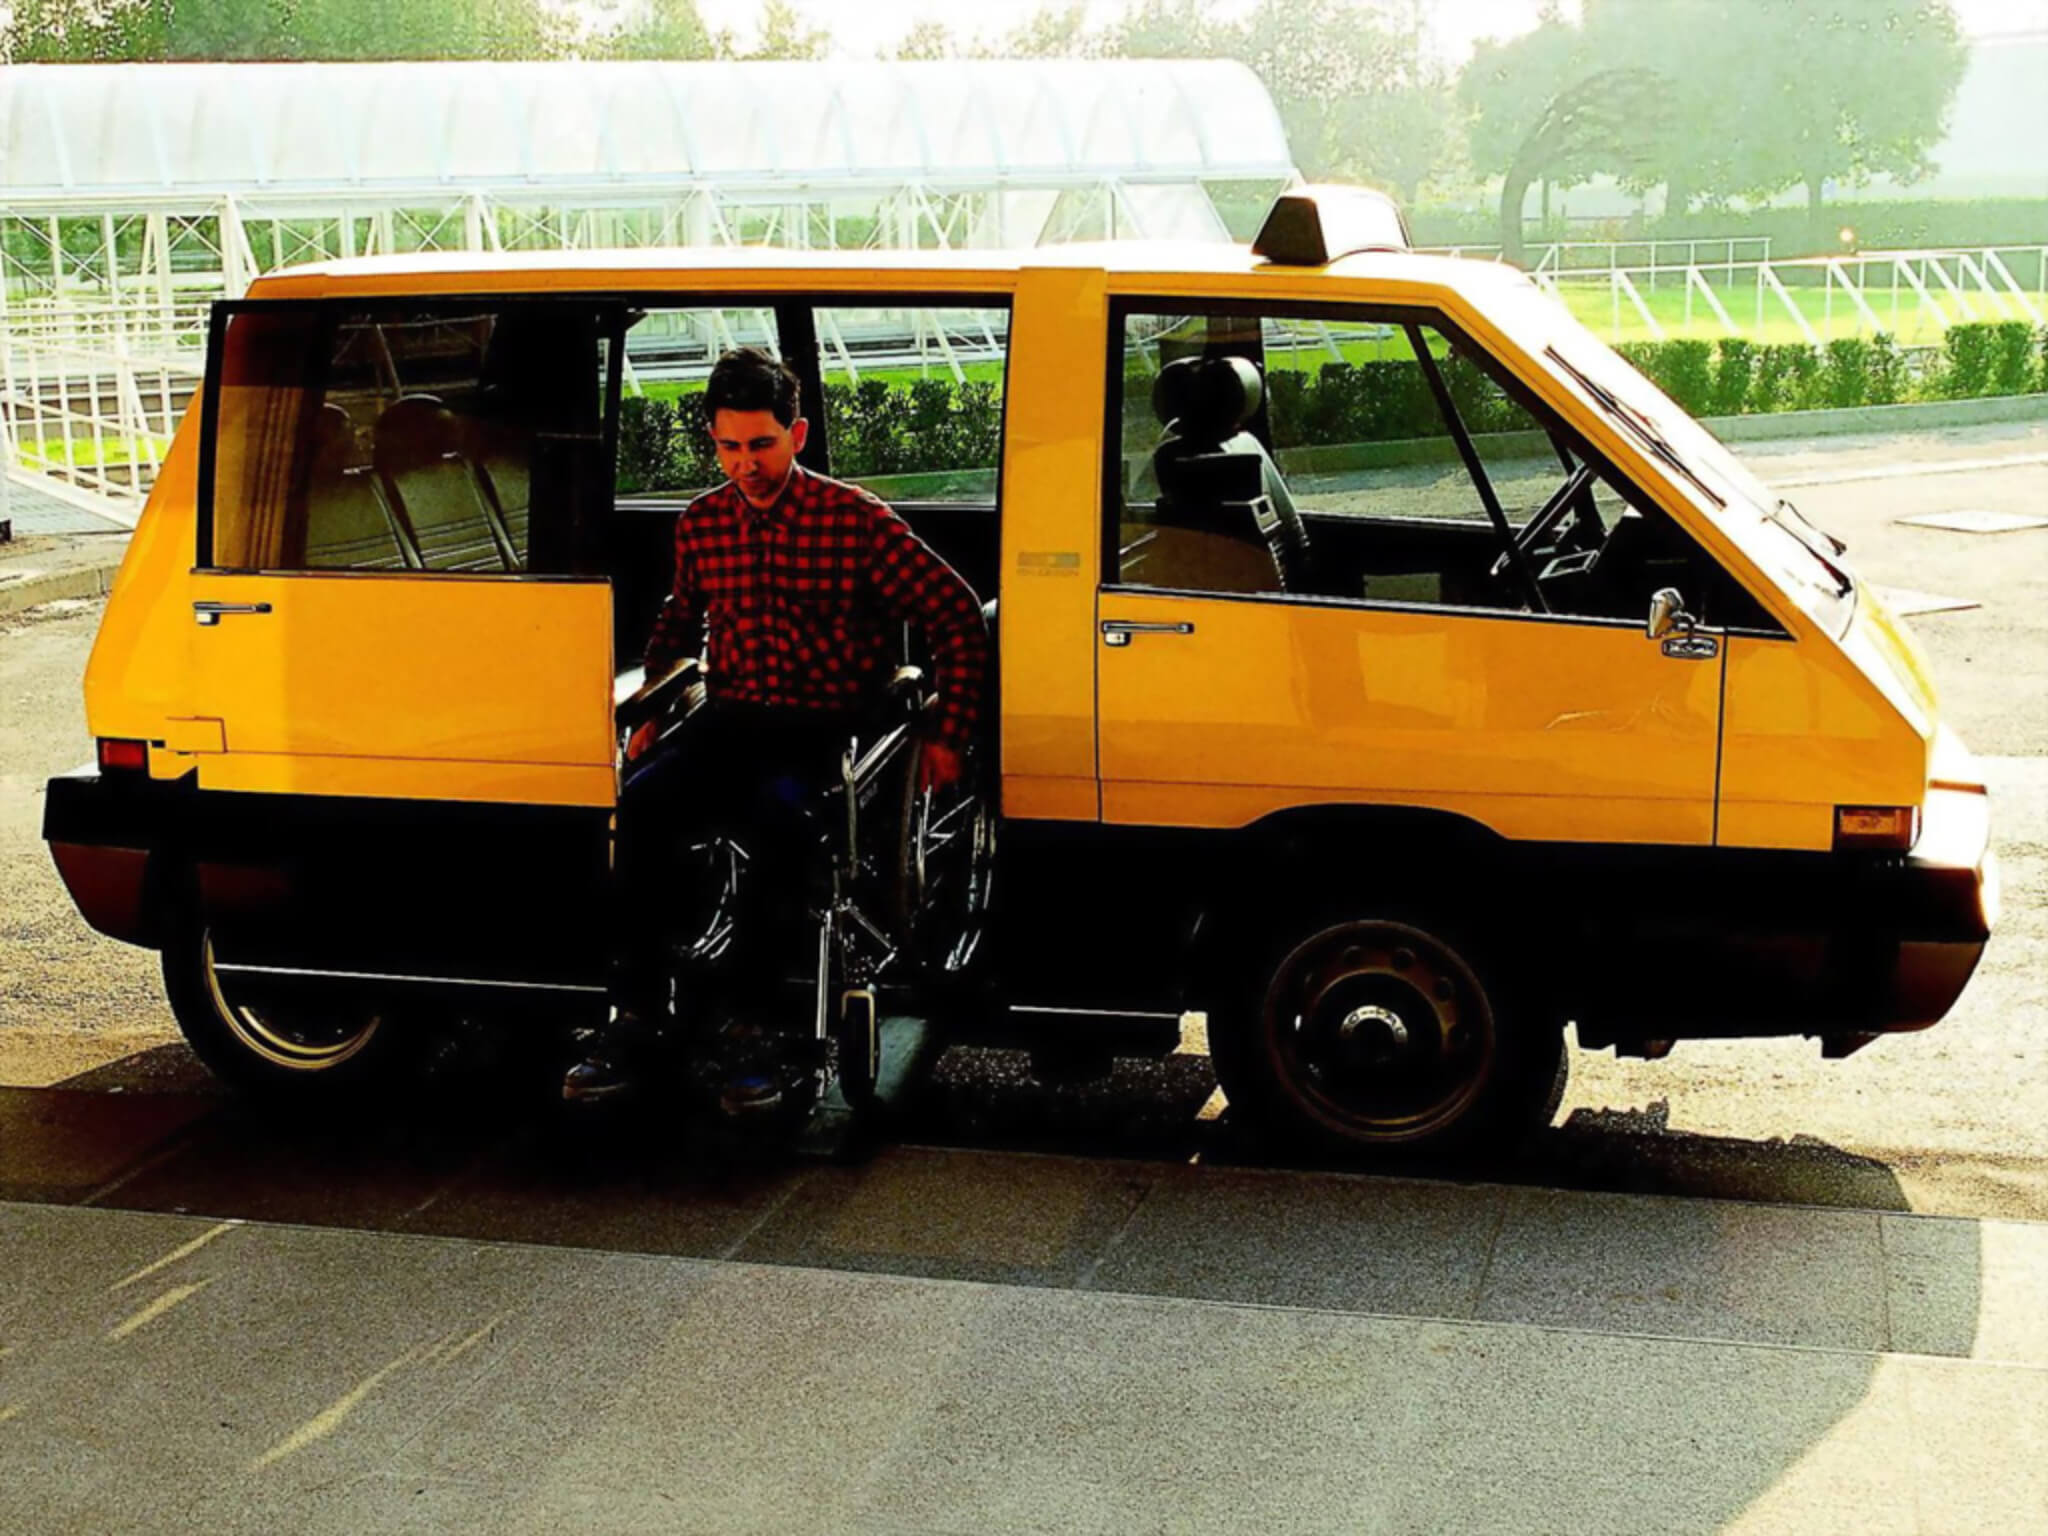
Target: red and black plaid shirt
(800, 602)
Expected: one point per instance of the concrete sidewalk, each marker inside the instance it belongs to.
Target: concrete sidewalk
(977, 1342)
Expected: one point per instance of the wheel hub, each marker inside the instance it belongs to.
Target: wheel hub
(1378, 1031)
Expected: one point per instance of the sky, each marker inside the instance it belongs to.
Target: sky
(864, 28)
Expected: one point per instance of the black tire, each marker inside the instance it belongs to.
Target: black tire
(286, 1049)
(1386, 1034)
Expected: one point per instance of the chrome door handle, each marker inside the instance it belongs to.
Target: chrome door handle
(209, 613)
(1119, 631)
(1691, 647)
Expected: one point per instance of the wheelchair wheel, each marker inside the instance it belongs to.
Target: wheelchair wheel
(945, 867)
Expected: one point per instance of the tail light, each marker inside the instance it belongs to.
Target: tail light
(119, 756)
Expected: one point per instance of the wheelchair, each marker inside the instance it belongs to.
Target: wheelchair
(885, 920)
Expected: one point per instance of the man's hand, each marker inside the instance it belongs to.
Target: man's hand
(642, 738)
(938, 767)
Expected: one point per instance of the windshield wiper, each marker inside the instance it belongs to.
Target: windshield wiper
(1644, 430)
(1810, 538)
(1784, 506)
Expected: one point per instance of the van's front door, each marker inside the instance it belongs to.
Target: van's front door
(1393, 609)
(401, 646)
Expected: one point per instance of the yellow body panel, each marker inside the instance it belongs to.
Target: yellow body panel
(1051, 552)
(469, 688)
(499, 689)
(1538, 729)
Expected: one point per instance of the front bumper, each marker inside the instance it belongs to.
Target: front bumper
(1939, 912)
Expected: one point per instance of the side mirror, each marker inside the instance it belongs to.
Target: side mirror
(1668, 615)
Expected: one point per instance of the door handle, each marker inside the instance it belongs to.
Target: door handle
(1119, 631)
(1691, 647)
(209, 613)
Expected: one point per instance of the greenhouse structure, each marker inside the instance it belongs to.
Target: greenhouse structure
(132, 196)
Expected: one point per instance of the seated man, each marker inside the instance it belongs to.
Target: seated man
(797, 582)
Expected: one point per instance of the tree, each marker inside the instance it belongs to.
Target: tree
(659, 29)
(926, 40)
(1840, 92)
(1727, 98)
(156, 31)
(784, 35)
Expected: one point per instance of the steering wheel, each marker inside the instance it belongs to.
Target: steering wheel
(1562, 500)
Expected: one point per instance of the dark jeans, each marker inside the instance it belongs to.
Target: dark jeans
(737, 769)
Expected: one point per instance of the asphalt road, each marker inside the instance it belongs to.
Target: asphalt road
(1954, 1121)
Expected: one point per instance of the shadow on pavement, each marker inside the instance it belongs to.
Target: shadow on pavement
(1626, 1308)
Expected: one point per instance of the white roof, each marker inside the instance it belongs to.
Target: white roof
(100, 135)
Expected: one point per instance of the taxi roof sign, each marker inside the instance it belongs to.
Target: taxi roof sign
(1312, 226)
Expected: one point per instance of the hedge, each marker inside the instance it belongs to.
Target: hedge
(1733, 377)
(881, 428)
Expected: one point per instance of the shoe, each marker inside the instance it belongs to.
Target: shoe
(749, 1094)
(610, 1064)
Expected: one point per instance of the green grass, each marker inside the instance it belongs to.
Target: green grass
(1911, 323)
(37, 452)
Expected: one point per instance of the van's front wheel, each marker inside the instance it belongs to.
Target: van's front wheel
(1385, 1035)
(269, 1041)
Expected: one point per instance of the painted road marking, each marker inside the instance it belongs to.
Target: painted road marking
(1976, 520)
(1916, 467)
(1907, 602)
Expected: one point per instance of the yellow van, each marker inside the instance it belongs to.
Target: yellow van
(1385, 669)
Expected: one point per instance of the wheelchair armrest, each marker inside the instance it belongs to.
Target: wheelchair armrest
(654, 696)
(907, 683)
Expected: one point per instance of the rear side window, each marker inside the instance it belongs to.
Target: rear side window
(454, 437)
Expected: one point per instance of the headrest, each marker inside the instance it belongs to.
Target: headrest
(1207, 396)
(334, 442)
(417, 430)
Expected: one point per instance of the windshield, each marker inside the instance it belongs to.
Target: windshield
(1802, 560)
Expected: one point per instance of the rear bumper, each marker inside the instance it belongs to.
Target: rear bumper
(494, 894)
(103, 834)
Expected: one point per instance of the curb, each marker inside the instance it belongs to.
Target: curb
(1918, 416)
(30, 588)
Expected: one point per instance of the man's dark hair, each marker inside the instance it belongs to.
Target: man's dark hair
(748, 379)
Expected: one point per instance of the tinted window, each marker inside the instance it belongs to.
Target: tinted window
(459, 438)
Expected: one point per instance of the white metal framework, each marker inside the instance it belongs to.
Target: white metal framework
(132, 195)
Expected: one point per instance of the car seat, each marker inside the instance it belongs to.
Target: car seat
(433, 486)
(349, 523)
(1216, 477)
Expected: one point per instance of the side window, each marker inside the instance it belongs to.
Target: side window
(449, 437)
(914, 400)
(664, 447)
(1325, 455)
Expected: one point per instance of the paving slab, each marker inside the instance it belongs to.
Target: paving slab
(1326, 1241)
(1091, 1413)
(61, 1145)
(735, 1398)
(543, 1192)
(243, 1377)
(1976, 1289)
(269, 1364)
(340, 1171)
(956, 1215)
(1701, 1269)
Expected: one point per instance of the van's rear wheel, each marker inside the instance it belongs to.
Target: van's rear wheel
(1385, 1034)
(269, 1041)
